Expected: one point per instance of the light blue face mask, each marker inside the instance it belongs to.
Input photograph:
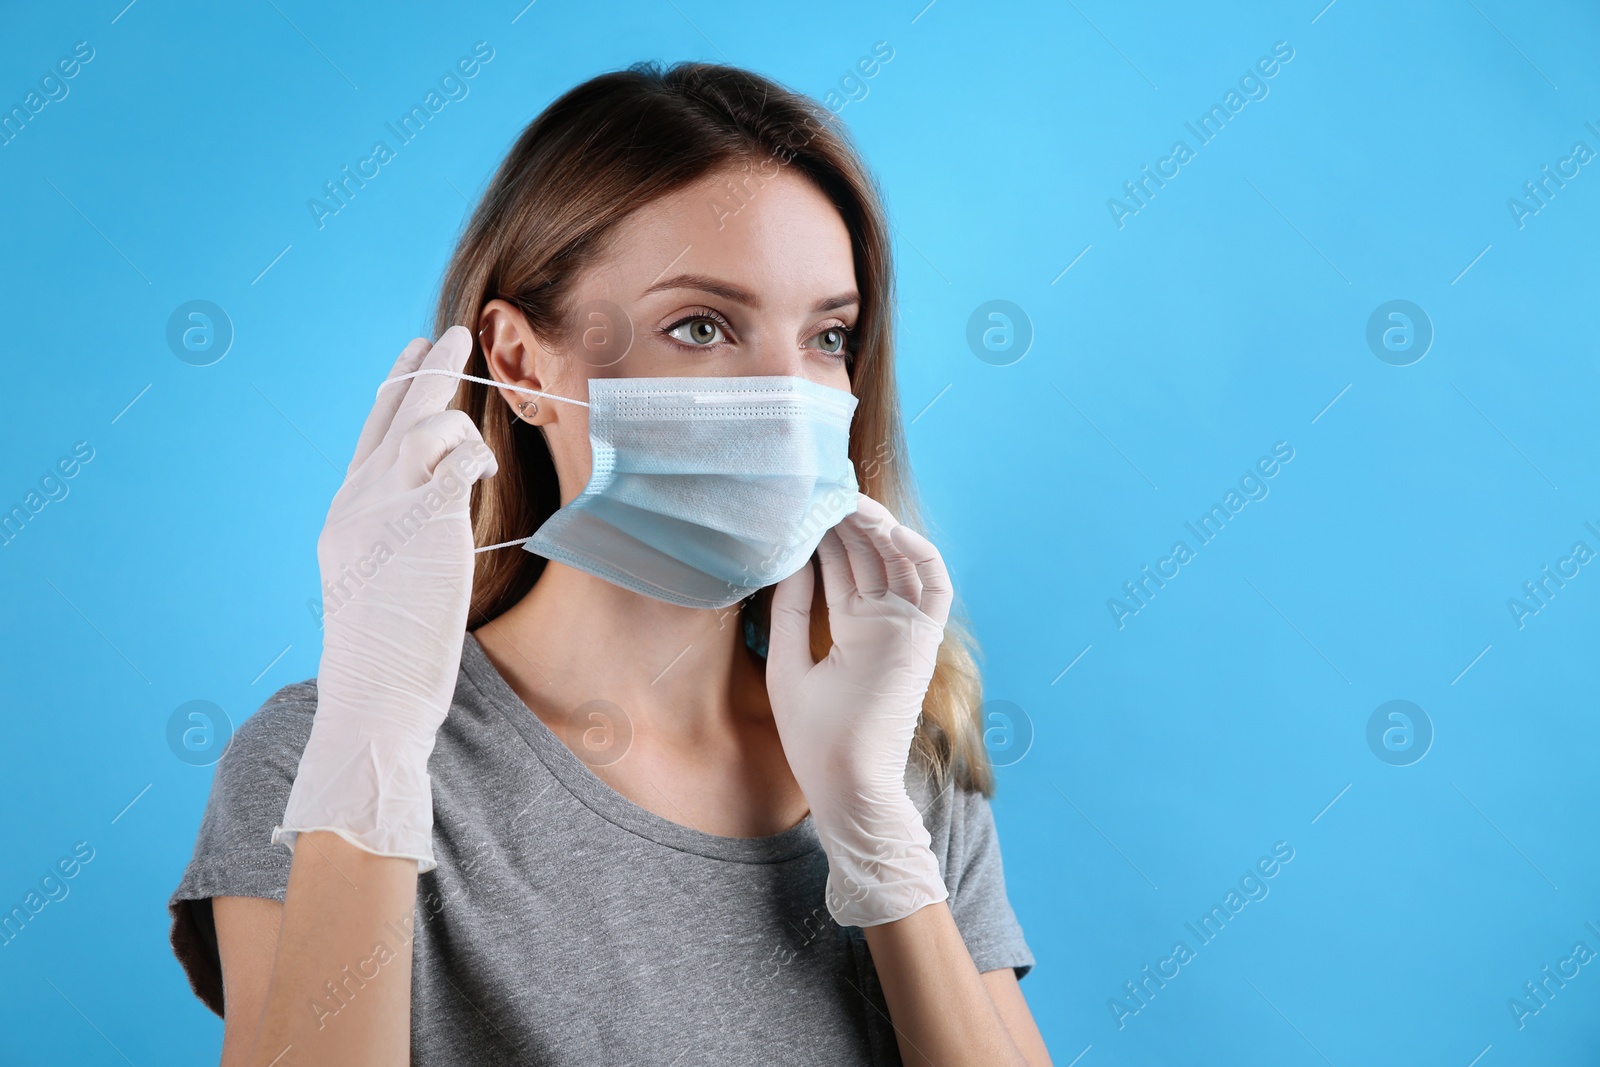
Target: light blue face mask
(703, 490)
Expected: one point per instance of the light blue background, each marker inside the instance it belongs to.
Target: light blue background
(1224, 317)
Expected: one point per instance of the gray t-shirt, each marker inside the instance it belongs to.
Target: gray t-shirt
(567, 925)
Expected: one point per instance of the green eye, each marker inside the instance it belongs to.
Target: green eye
(702, 332)
(835, 340)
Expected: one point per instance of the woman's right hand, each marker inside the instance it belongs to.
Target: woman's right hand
(396, 556)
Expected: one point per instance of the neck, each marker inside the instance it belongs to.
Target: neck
(575, 638)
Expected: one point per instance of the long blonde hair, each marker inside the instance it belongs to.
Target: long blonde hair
(604, 149)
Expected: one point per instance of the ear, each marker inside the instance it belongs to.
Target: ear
(516, 356)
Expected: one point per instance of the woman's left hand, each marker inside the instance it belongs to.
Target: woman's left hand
(847, 722)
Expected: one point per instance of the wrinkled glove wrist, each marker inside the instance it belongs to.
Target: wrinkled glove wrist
(367, 785)
(880, 865)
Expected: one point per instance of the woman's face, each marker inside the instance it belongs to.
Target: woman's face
(708, 286)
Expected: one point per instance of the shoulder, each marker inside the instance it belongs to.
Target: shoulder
(279, 729)
(953, 813)
(963, 836)
(259, 764)
(296, 696)
(233, 853)
(961, 826)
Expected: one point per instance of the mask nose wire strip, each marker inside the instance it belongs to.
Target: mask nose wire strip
(483, 381)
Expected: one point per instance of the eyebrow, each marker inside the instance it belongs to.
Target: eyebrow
(706, 284)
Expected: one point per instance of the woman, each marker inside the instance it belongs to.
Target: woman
(679, 795)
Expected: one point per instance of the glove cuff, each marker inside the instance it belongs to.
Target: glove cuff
(369, 787)
(882, 871)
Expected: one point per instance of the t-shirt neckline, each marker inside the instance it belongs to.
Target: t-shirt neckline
(595, 794)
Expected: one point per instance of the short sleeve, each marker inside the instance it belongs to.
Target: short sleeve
(233, 854)
(961, 824)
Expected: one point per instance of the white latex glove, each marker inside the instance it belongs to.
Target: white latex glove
(396, 560)
(847, 723)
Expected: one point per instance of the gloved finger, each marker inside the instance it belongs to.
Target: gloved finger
(838, 583)
(461, 467)
(789, 630)
(872, 510)
(429, 441)
(471, 460)
(431, 393)
(937, 591)
(904, 580)
(388, 402)
(866, 564)
(876, 523)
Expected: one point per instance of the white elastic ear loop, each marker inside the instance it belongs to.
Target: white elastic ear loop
(482, 381)
(503, 544)
(498, 385)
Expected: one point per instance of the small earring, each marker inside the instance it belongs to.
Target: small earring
(522, 408)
